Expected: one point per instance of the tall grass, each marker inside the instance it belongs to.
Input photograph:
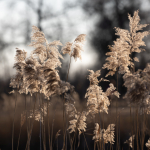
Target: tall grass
(38, 73)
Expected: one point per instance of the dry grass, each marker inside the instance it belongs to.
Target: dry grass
(38, 75)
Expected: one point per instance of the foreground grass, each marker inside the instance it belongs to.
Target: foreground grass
(37, 76)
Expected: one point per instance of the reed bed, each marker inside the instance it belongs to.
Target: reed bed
(37, 77)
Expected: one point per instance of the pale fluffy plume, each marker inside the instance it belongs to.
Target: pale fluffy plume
(130, 141)
(78, 123)
(49, 73)
(138, 87)
(17, 80)
(105, 135)
(93, 77)
(51, 82)
(97, 100)
(44, 50)
(39, 113)
(129, 42)
(38, 41)
(48, 57)
(74, 49)
(148, 144)
(111, 91)
(70, 109)
(39, 73)
(26, 78)
(97, 133)
(53, 52)
(31, 78)
(67, 48)
(80, 38)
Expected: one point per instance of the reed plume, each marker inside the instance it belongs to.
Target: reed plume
(138, 88)
(148, 144)
(97, 100)
(105, 135)
(40, 113)
(79, 122)
(130, 141)
(74, 49)
(17, 80)
(128, 42)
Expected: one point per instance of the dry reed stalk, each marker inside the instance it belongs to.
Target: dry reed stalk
(103, 144)
(143, 128)
(40, 124)
(70, 140)
(14, 121)
(73, 49)
(56, 138)
(66, 116)
(132, 124)
(117, 112)
(23, 118)
(119, 127)
(95, 146)
(109, 123)
(43, 126)
(26, 119)
(64, 123)
(85, 141)
(137, 131)
(48, 125)
(52, 131)
(76, 128)
(19, 137)
(30, 132)
(29, 121)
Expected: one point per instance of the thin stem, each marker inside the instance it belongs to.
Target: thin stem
(48, 125)
(64, 133)
(143, 133)
(85, 141)
(103, 128)
(66, 129)
(19, 137)
(40, 125)
(63, 123)
(68, 69)
(117, 113)
(137, 130)
(44, 138)
(26, 117)
(44, 131)
(14, 121)
(110, 126)
(52, 131)
(28, 141)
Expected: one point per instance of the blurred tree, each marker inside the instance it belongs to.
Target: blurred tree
(112, 13)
